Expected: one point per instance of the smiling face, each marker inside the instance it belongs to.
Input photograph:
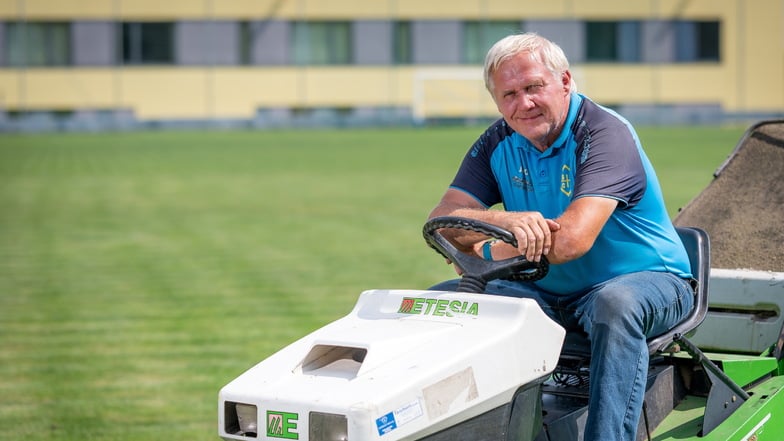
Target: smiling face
(533, 100)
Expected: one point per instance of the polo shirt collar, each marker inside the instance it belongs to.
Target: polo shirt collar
(575, 100)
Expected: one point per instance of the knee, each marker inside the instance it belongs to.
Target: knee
(617, 308)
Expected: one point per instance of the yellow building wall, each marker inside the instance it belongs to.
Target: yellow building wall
(239, 92)
(202, 93)
(758, 62)
(55, 89)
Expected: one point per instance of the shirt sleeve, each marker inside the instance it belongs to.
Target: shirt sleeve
(475, 175)
(608, 159)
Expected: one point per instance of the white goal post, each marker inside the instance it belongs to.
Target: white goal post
(451, 92)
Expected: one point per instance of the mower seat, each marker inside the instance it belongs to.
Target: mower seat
(697, 244)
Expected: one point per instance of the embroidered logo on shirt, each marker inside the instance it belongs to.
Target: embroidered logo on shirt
(566, 180)
(523, 181)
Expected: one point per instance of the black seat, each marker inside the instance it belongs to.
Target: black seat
(697, 244)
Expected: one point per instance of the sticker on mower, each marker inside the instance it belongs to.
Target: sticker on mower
(399, 417)
(437, 307)
(282, 425)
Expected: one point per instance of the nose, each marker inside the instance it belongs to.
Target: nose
(526, 101)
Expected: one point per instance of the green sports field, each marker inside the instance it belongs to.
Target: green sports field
(140, 272)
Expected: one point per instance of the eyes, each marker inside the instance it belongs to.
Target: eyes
(530, 89)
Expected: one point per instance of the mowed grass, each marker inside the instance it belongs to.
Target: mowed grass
(140, 272)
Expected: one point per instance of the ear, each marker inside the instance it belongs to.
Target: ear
(566, 80)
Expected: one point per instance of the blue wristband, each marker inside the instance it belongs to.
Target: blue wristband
(486, 253)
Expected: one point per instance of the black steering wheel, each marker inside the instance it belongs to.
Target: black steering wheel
(476, 271)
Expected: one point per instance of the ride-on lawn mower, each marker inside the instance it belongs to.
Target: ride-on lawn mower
(467, 366)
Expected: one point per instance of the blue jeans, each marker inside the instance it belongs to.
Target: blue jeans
(619, 316)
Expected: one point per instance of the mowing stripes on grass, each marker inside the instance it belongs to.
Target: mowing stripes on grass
(139, 272)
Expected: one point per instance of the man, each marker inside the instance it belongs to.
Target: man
(576, 187)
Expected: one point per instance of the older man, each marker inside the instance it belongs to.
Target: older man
(577, 187)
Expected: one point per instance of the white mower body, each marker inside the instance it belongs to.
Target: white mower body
(404, 364)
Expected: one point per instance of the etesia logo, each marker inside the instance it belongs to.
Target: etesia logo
(437, 307)
(282, 425)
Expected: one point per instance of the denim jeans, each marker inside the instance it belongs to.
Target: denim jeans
(618, 315)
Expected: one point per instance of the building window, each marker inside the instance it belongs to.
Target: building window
(601, 38)
(322, 43)
(697, 41)
(245, 43)
(613, 41)
(401, 42)
(37, 44)
(147, 43)
(479, 37)
(707, 35)
(629, 42)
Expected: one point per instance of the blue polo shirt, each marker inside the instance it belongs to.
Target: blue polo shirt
(597, 154)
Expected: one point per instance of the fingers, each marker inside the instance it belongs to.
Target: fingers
(533, 234)
(531, 241)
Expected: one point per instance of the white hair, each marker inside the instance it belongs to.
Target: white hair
(540, 48)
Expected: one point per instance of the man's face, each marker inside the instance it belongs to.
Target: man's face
(532, 100)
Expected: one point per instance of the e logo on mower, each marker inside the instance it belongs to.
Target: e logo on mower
(437, 307)
(281, 424)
